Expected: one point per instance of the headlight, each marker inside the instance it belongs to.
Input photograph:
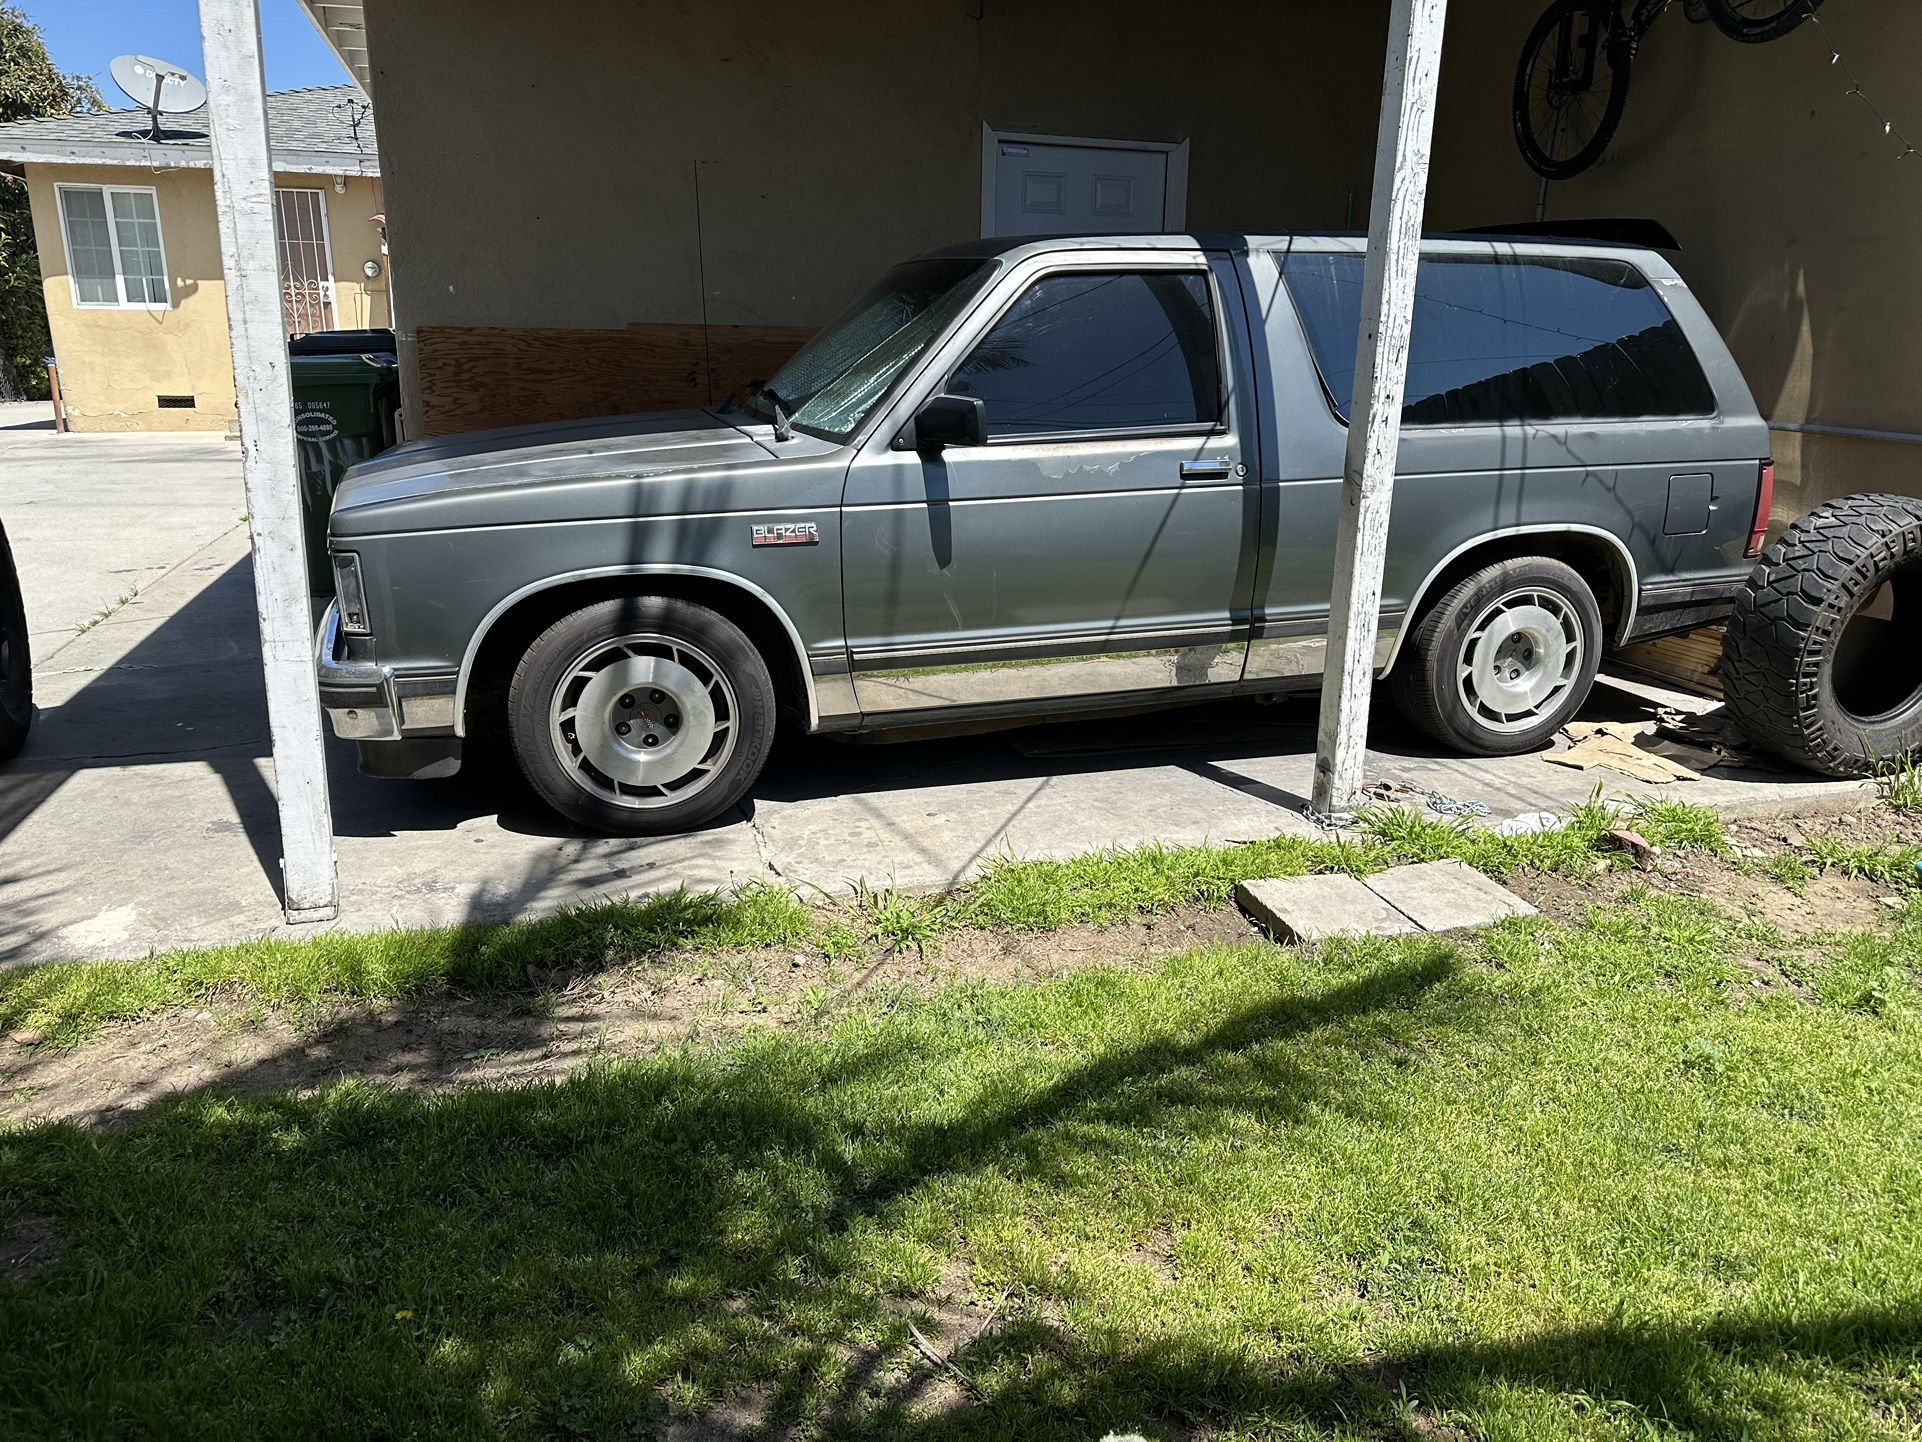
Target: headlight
(351, 594)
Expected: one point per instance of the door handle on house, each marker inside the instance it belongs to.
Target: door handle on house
(1216, 469)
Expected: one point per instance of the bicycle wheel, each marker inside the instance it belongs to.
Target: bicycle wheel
(1755, 21)
(1570, 88)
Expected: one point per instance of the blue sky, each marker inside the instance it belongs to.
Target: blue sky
(84, 35)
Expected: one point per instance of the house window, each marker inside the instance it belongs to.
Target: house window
(114, 252)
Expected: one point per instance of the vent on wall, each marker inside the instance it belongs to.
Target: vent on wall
(175, 403)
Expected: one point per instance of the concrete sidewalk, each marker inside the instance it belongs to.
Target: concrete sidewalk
(142, 815)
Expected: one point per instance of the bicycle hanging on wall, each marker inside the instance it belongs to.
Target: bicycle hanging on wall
(1572, 83)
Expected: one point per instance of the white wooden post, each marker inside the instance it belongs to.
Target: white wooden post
(1381, 377)
(244, 200)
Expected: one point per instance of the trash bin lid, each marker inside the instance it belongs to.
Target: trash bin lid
(367, 369)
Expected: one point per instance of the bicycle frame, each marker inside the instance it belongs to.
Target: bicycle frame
(1620, 31)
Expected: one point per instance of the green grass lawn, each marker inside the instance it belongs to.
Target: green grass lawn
(1582, 1181)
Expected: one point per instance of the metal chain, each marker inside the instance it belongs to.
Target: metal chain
(1328, 821)
(1450, 806)
(1436, 801)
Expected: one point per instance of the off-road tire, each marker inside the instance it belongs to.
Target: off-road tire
(1424, 681)
(1732, 22)
(16, 665)
(1779, 671)
(545, 665)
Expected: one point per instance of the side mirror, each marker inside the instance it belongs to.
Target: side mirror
(947, 420)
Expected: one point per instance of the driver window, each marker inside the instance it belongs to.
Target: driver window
(1098, 352)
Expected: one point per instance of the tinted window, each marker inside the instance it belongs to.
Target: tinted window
(1099, 352)
(1541, 339)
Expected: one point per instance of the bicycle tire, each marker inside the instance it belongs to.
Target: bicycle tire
(1539, 156)
(1729, 17)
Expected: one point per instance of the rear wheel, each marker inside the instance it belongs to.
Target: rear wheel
(1503, 659)
(642, 716)
(16, 665)
(1822, 660)
(1757, 21)
(1570, 88)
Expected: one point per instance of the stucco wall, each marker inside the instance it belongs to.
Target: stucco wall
(728, 161)
(1800, 230)
(114, 363)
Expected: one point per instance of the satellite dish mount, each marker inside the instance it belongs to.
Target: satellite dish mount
(161, 87)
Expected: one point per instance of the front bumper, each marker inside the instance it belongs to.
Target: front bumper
(403, 725)
(357, 696)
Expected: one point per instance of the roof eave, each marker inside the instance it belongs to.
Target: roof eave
(343, 25)
(178, 157)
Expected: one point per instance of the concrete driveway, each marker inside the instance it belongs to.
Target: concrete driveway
(141, 815)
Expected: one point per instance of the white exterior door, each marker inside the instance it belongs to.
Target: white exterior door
(306, 261)
(1044, 187)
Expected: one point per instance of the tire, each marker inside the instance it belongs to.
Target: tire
(1490, 639)
(692, 689)
(16, 664)
(1822, 660)
(1593, 20)
(1756, 22)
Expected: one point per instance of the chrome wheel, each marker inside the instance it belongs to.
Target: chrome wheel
(1523, 653)
(644, 721)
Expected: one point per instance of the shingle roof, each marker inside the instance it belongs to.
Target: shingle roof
(302, 126)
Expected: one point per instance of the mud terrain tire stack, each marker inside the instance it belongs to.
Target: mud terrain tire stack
(1822, 662)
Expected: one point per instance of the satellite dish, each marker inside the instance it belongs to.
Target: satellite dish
(160, 86)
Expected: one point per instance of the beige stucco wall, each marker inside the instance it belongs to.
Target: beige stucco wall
(1800, 230)
(680, 160)
(114, 363)
(726, 160)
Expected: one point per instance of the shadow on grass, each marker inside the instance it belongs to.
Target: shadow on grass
(712, 1244)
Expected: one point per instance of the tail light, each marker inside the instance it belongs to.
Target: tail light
(1764, 503)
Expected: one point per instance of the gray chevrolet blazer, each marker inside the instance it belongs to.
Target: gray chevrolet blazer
(1021, 479)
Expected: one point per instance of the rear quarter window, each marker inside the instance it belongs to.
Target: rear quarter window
(1535, 338)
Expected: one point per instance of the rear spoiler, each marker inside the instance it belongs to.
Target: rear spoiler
(1618, 230)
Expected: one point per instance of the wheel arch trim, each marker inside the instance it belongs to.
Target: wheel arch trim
(1620, 556)
(603, 573)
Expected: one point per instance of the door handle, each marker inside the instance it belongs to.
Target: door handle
(1211, 470)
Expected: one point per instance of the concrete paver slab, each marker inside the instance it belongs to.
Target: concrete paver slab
(1314, 908)
(1446, 895)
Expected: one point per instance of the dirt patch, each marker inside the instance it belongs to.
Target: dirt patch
(1157, 1253)
(443, 1041)
(29, 1244)
(1740, 882)
(739, 1417)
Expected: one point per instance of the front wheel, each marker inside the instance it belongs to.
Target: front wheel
(1758, 21)
(642, 716)
(1570, 88)
(1500, 662)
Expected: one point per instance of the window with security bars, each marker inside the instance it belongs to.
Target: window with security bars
(306, 261)
(114, 250)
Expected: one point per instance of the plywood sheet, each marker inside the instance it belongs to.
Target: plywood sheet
(474, 377)
(1694, 660)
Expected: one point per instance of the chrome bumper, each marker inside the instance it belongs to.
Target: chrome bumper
(358, 698)
(367, 702)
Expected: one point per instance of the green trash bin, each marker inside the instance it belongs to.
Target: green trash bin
(344, 410)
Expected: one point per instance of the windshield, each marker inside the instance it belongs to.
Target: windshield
(836, 379)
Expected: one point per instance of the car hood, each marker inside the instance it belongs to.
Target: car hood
(552, 454)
